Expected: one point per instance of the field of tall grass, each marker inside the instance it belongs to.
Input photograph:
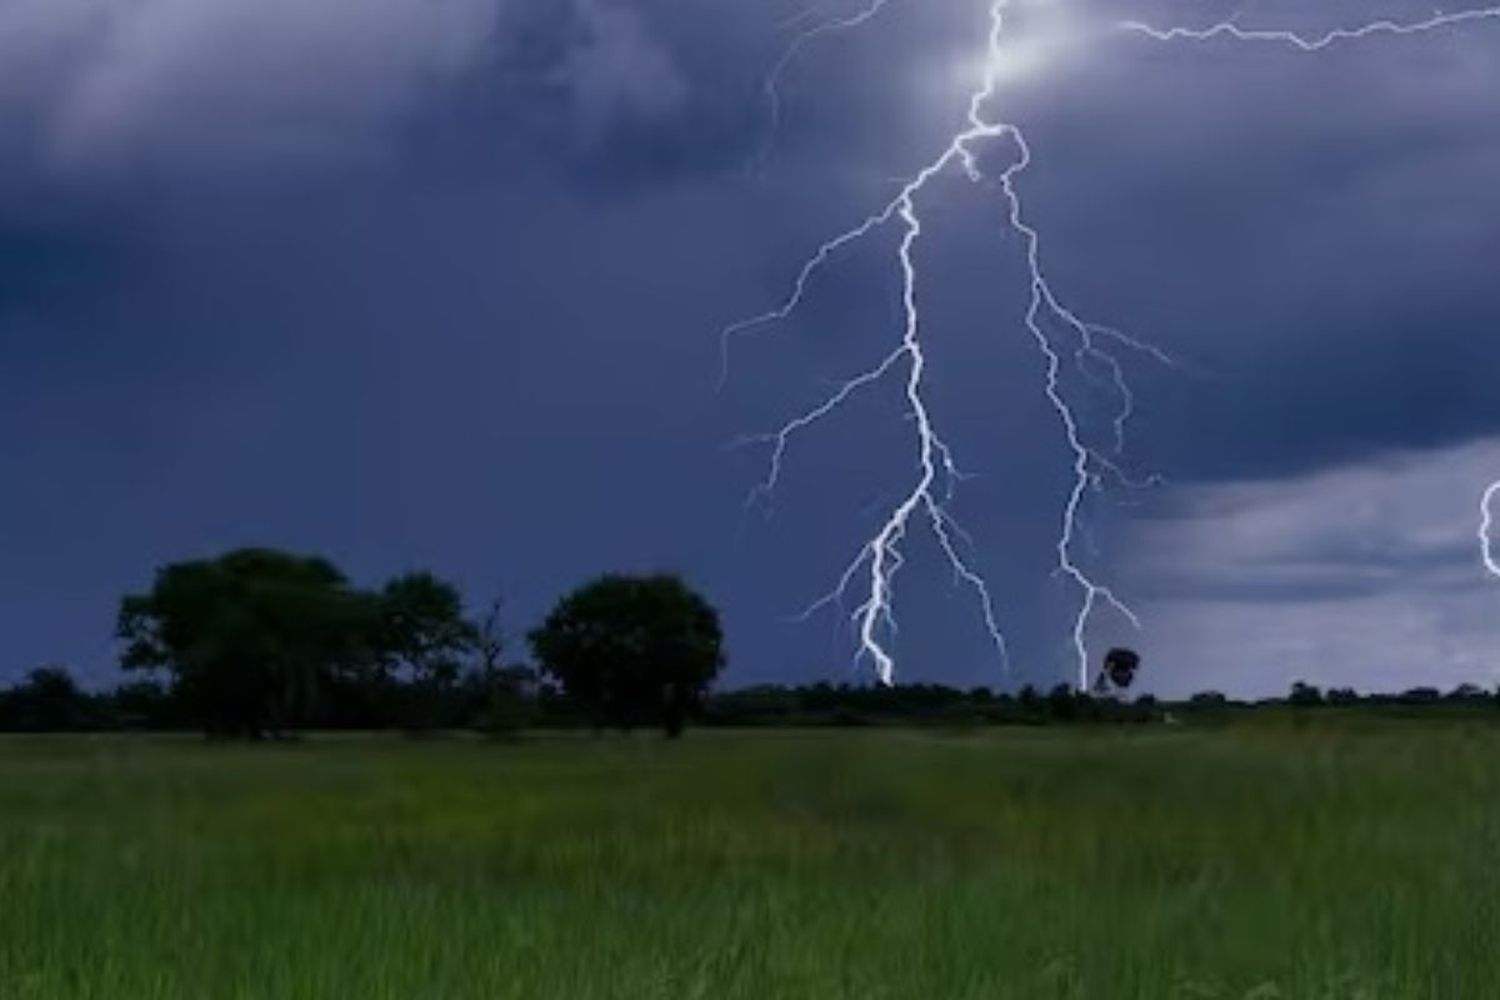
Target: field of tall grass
(1254, 861)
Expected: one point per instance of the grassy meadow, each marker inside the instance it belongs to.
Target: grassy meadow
(1340, 861)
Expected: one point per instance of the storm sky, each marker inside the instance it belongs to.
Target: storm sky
(438, 284)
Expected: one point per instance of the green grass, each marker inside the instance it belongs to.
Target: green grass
(1246, 862)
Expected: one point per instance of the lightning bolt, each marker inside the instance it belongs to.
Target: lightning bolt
(1093, 346)
(772, 85)
(1317, 43)
(1487, 547)
(881, 558)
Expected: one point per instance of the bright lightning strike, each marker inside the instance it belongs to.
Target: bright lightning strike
(1317, 43)
(1487, 546)
(880, 559)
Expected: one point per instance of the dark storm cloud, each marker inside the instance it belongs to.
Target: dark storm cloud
(620, 94)
(1316, 230)
(425, 284)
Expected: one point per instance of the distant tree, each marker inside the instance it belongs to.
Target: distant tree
(1466, 692)
(423, 634)
(1029, 699)
(489, 639)
(1342, 696)
(48, 700)
(422, 627)
(1120, 668)
(633, 650)
(1208, 699)
(504, 691)
(1304, 694)
(248, 637)
(1061, 704)
(759, 705)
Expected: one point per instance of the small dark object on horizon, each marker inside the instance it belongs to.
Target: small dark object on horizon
(1120, 666)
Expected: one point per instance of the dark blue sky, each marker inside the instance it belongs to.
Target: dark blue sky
(439, 284)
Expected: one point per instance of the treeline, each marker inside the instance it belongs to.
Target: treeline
(259, 644)
(826, 704)
(49, 700)
(933, 704)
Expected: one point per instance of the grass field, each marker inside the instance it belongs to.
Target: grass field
(1248, 862)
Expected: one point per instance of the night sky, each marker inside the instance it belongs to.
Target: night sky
(439, 284)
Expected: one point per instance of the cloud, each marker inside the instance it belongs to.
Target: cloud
(1366, 575)
(237, 83)
(226, 78)
(617, 70)
(1314, 232)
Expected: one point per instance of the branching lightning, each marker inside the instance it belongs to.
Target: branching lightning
(1315, 43)
(805, 37)
(1057, 331)
(1488, 551)
(880, 559)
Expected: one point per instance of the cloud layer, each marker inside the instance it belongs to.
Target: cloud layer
(1366, 576)
(238, 83)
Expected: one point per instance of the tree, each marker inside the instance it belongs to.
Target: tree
(1304, 694)
(48, 700)
(489, 638)
(1466, 693)
(633, 650)
(1421, 695)
(1061, 705)
(1342, 696)
(1120, 668)
(248, 637)
(503, 689)
(423, 631)
(1029, 700)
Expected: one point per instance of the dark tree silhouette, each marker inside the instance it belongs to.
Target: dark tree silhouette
(633, 650)
(1120, 667)
(249, 637)
(504, 691)
(423, 632)
(1304, 694)
(489, 638)
(48, 700)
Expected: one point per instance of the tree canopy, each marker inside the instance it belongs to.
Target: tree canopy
(422, 631)
(248, 637)
(422, 627)
(634, 650)
(1120, 667)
